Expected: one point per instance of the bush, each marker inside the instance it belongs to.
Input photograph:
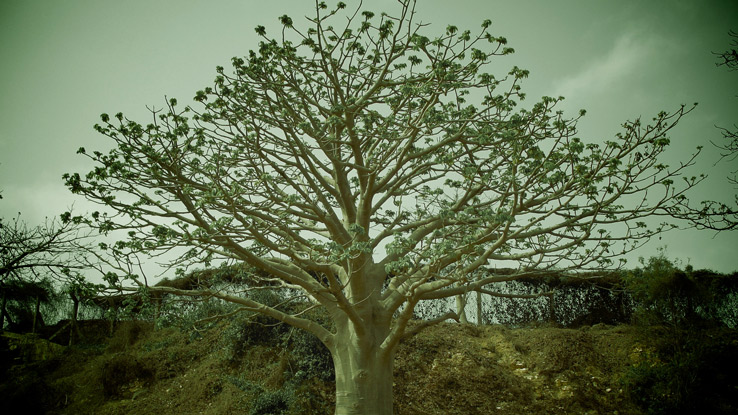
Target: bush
(27, 391)
(696, 376)
(312, 358)
(668, 295)
(250, 330)
(301, 373)
(272, 402)
(694, 360)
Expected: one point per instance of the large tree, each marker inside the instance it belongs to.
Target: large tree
(368, 167)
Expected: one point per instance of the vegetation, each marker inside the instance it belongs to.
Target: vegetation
(721, 215)
(39, 265)
(333, 181)
(364, 166)
(248, 363)
(688, 321)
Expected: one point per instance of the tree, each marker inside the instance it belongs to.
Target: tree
(366, 167)
(80, 291)
(727, 217)
(21, 303)
(720, 215)
(32, 257)
(729, 58)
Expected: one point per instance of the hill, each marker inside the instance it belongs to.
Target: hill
(243, 367)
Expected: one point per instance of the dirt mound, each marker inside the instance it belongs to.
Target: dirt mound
(455, 369)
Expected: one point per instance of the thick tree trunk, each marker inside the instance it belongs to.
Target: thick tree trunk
(363, 372)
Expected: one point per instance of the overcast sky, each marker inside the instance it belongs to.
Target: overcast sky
(62, 63)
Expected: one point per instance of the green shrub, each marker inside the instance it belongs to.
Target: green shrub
(272, 402)
(245, 385)
(695, 376)
(694, 359)
(28, 390)
(246, 331)
(127, 334)
(668, 295)
(312, 358)
(187, 314)
(665, 294)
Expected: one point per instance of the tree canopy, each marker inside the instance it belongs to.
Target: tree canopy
(50, 248)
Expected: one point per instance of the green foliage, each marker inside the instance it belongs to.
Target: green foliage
(696, 375)
(306, 359)
(272, 402)
(127, 334)
(289, 399)
(21, 297)
(669, 295)
(694, 360)
(312, 359)
(28, 390)
(189, 315)
(249, 330)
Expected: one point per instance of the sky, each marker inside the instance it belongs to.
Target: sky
(63, 63)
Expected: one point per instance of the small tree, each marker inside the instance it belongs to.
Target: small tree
(21, 302)
(80, 291)
(31, 258)
(366, 167)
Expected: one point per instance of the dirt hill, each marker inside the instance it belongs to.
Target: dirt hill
(243, 368)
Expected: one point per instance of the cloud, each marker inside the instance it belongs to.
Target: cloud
(630, 52)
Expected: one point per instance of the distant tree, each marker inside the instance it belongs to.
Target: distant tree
(80, 291)
(21, 303)
(33, 257)
(366, 167)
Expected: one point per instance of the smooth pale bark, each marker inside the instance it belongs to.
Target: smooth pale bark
(363, 370)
